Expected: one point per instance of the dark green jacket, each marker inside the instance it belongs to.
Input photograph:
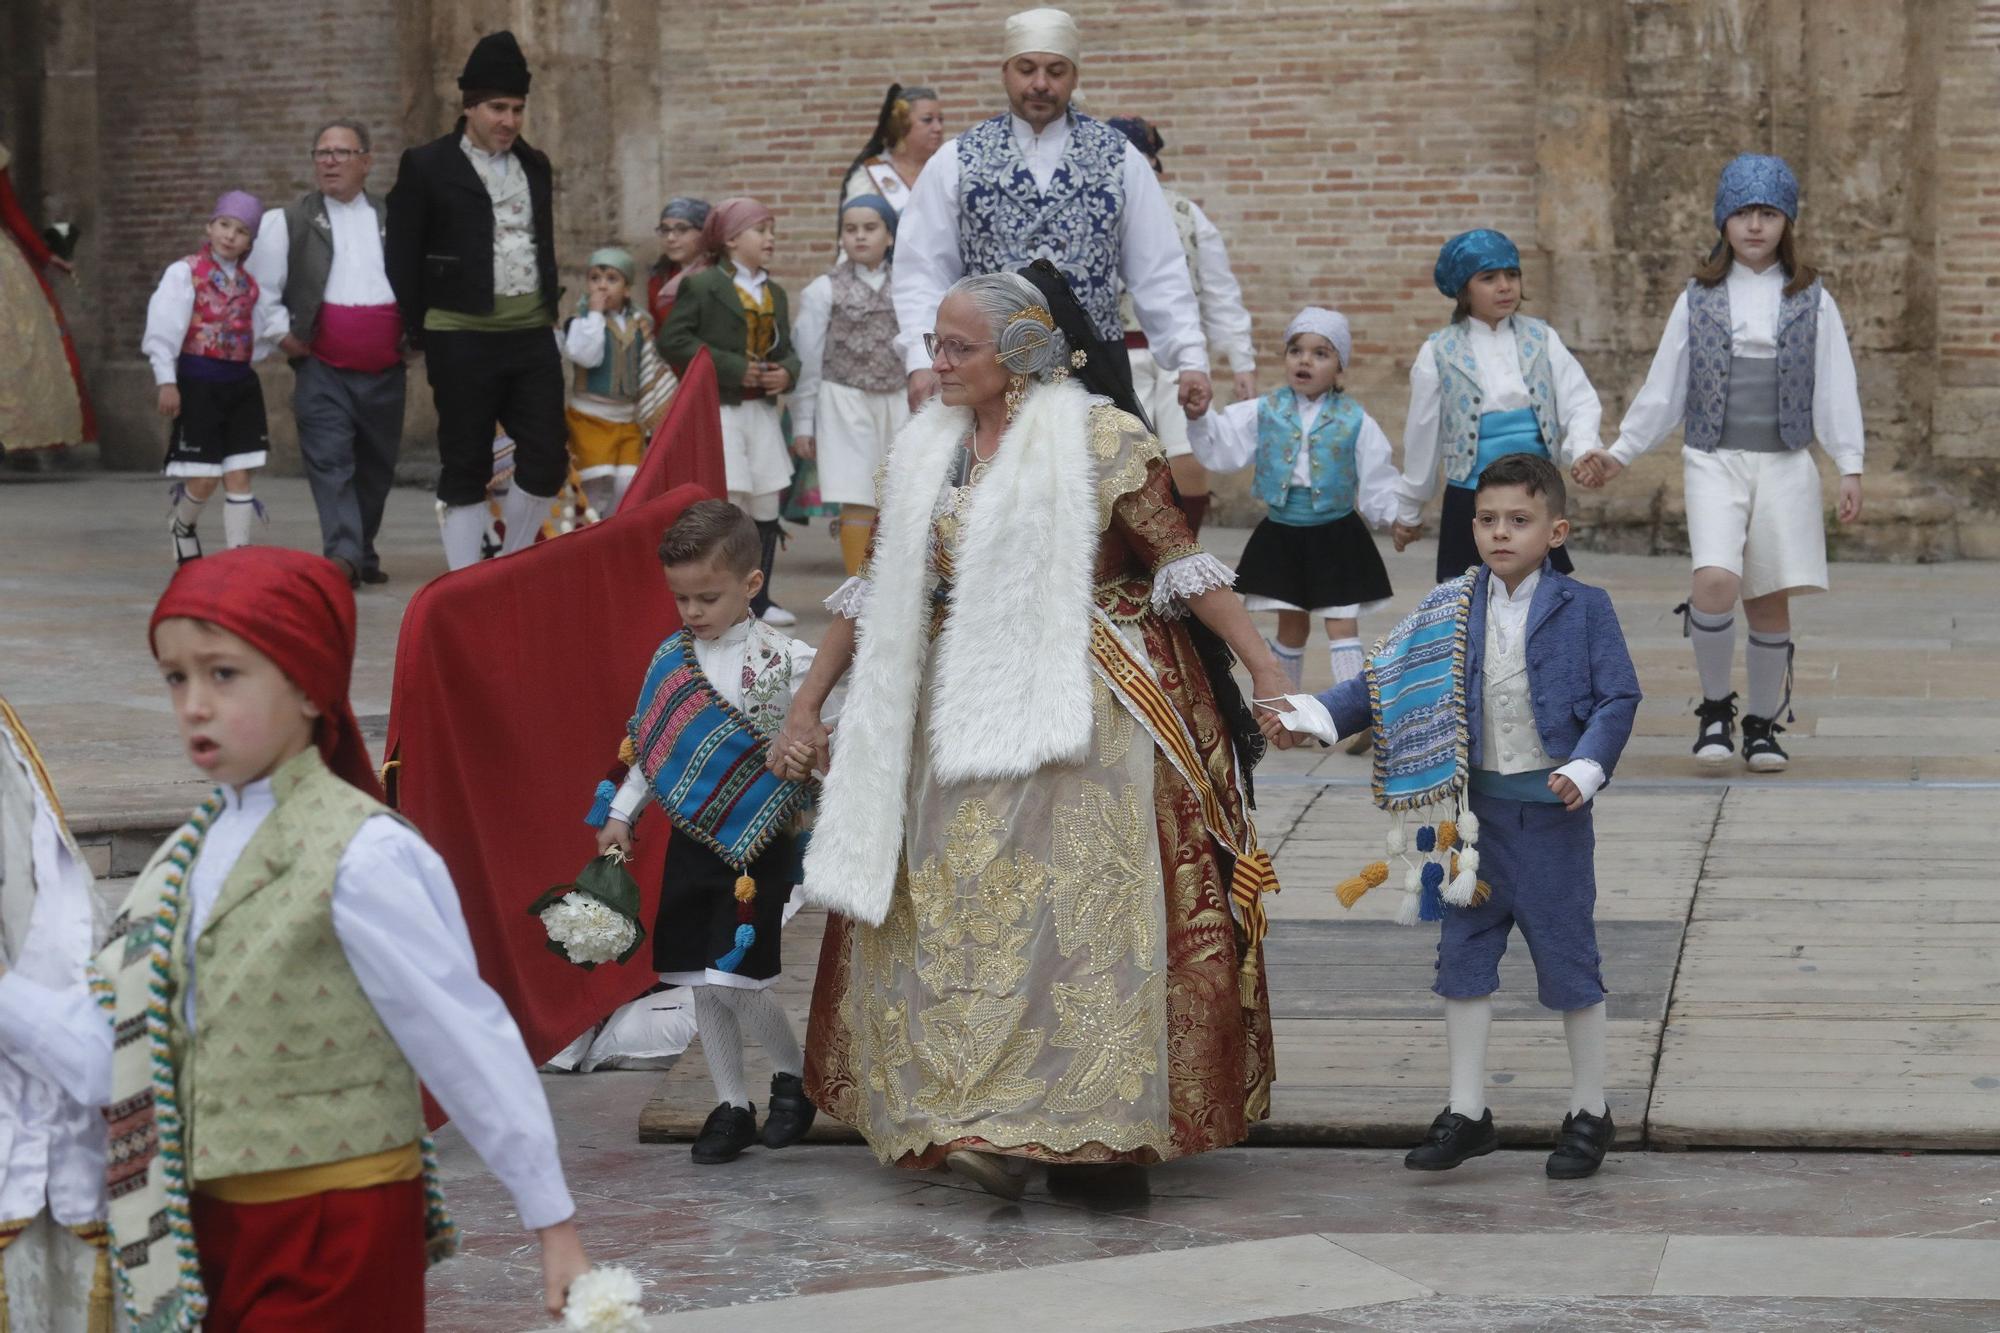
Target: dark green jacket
(709, 313)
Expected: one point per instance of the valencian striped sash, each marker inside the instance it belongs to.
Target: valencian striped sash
(705, 762)
(1130, 677)
(1416, 690)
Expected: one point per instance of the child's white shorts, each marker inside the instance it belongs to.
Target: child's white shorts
(1758, 516)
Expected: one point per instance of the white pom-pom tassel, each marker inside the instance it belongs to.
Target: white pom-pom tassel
(1461, 888)
(1468, 826)
(1396, 841)
(1468, 861)
(1410, 910)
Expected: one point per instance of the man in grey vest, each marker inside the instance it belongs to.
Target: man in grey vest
(319, 264)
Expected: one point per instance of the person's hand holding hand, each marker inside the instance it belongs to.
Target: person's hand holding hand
(1596, 468)
(804, 446)
(1195, 392)
(1402, 534)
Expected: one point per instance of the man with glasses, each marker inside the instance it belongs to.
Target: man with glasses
(319, 266)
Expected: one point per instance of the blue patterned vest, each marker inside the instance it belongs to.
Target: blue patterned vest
(618, 376)
(1335, 477)
(1458, 384)
(1006, 223)
(1709, 350)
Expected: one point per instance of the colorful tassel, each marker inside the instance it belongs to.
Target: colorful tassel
(1407, 911)
(600, 809)
(1468, 825)
(745, 937)
(1481, 892)
(628, 753)
(1430, 905)
(1447, 835)
(1427, 838)
(746, 889)
(1349, 891)
(1459, 893)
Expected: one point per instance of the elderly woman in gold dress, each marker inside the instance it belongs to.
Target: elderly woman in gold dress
(1034, 830)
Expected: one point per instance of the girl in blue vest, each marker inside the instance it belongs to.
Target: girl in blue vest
(1490, 383)
(1323, 470)
(1754, 366)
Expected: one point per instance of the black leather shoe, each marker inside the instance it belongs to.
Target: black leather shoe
(790, 1113)
(1452, 1139)
(724, 1135)
(374, 577)
(1581, 1144)
(1761, 751)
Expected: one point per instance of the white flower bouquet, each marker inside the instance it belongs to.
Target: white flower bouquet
(604, 1300)
(595, 919)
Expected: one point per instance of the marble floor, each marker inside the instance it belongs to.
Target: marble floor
(822, 1238)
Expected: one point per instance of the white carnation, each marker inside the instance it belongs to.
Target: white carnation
(604, 1300)
(587, 930)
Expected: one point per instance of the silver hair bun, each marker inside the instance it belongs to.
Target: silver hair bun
(1026, 344)
(1026, 347)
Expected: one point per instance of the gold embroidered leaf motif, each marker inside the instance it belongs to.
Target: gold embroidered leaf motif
(885, 1052)
(1103, 875)
(1117, 1044)
(1114, 725)
(894, 942)
(971, 841)
(976, 1057)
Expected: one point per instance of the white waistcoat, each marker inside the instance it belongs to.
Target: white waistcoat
(1508, 739)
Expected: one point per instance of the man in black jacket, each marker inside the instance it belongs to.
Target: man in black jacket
(471, 254)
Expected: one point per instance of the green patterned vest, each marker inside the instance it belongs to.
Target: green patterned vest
(290, 1065)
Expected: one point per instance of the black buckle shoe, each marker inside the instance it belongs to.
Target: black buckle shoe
(1761, 751)
(187, 544)
(1714, 741)
(790, 1113)
(1452, 1139)
(1581, 1144)
(724, 1135)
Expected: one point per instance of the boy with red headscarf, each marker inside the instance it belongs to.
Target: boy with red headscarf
(286, 971)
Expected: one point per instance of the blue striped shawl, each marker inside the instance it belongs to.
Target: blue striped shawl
(1416, 689)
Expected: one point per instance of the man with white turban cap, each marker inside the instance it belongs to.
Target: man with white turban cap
(1045, 181)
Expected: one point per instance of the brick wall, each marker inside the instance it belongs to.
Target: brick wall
(1966, 420)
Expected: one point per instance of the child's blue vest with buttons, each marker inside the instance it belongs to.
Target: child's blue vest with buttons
(1335, 477)
(1458, 384)
(1005, 221)
(1709, 352)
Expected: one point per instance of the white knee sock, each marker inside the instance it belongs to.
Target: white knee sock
(1584, 1030)
(524, 515)
(1466, 1023)
(238, 511)
(1345, 654)
(721, 1043)
(1291, 661)
(623, 478)
(464, 527)
(762, 1019)
(1714, 638)
(1767, 659)
(187, 509)
(600, 493)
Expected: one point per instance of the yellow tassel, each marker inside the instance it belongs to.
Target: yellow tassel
(1372, 875)
(1481, 892)
(746, 888)
(1447, 836)
(628, 753)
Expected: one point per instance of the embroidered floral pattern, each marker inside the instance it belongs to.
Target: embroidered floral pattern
(1458, 382)
(1711, 346)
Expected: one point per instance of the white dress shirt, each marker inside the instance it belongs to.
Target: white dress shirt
(1661, 405)
(171, 309)
(1151, 263)
(1501, 389)
(1224, 439)
(1506, 638)
(1224, 317)
(810, 323)
(358, 276)
(398, 920)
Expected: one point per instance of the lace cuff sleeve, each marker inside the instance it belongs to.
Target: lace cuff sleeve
(1189, 576)
(850, 597)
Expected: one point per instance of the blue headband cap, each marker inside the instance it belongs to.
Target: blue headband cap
(686, 208)
(1472, 252)
(1756, 178)
(882, 206)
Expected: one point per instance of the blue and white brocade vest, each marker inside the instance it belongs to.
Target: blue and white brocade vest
(1710, 350)
(1336, 477)
(1005, 222)
(1458, 385)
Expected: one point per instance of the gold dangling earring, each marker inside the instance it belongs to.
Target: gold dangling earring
(1017, 392)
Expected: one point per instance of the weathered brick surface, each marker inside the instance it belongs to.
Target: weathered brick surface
(1336, 145)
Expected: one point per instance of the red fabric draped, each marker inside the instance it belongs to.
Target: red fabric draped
(687, 448)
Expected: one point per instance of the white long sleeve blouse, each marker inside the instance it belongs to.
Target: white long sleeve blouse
(1225, 440)
(810, 322)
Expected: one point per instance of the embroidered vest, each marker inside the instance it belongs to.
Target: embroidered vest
(861, 337)
(1182, 208)
(1458, 383)
(1709, 350)
(310, 262)
(1005, 222)
(619, 376)
(1509, 740)
(290, 1065)
(1335, 478)
(221, 326)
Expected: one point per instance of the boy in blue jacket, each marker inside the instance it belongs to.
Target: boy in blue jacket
(1549, 698)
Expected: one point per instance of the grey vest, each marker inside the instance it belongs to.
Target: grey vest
(1710, 354)
(861, 336)
(311, 262)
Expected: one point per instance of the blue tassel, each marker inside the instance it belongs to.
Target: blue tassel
(600, 809)
(1430, 907)
(1427, 839)
(745, 937)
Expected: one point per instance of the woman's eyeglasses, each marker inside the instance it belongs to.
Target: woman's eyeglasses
(953, 350)
(673, 229)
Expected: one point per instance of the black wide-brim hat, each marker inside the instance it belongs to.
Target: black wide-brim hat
(496, 65)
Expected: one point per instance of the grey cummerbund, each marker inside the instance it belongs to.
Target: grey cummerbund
(1750, 418)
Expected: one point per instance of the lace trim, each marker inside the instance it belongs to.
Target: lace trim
(849, 598)
(1189, 576)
